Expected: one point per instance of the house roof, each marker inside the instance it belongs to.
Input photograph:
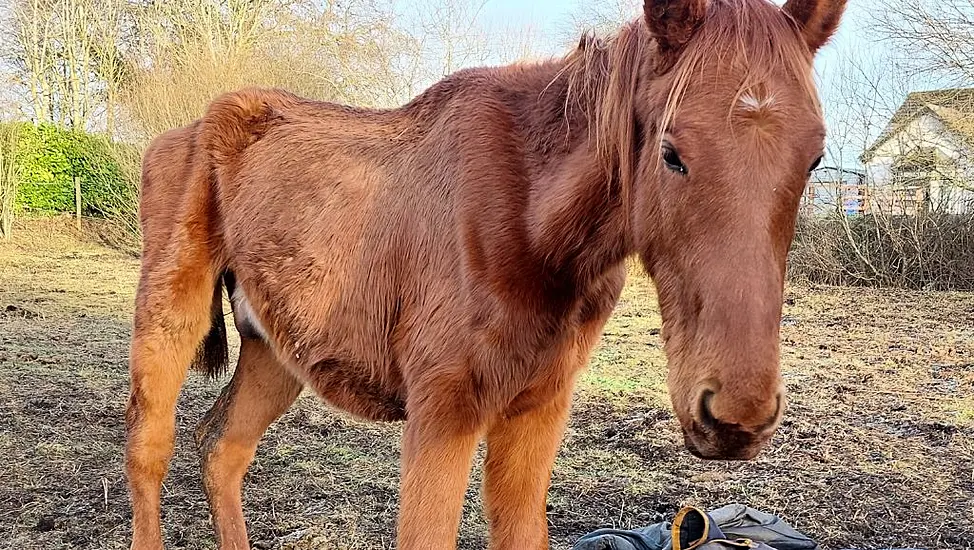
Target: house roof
(954, 107)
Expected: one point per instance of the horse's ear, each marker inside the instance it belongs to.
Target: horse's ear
(672, 23)
(817, 19)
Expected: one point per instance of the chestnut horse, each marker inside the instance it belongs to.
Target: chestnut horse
(452, 262)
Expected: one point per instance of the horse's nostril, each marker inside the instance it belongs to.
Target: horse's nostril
(705, 415)
(778, 412)
(709, 420)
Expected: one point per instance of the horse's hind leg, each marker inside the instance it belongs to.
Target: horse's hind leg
(174, 310)
(261, 390)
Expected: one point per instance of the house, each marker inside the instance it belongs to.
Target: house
(832, 190)
(924, 158)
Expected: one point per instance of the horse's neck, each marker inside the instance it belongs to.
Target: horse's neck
(576, 220)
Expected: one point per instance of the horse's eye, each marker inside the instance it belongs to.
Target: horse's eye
(672, 159)
(816, 164)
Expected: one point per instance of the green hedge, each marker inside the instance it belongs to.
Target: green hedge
(49, 157)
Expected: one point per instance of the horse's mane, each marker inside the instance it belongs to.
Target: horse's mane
(603, 73)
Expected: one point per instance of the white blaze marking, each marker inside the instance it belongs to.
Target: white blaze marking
(751, 103)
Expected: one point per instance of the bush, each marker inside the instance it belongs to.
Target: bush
(49, 158)
(930, 251)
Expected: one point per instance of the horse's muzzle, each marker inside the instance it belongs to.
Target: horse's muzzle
(726, 442)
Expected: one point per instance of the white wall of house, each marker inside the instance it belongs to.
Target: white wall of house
(926, 131)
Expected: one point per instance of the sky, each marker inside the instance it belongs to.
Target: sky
(551, 18)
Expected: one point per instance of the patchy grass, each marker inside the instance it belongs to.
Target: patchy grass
(630, 360)
(876, 450)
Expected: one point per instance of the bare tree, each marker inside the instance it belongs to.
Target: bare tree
(112, 69)
(934, 37)
(450, 29)
(147, 66)
(31, 53)
(188, 52)
(600, 18)
(56, 47)
(859, 97)
(74, 42)
(8, 178)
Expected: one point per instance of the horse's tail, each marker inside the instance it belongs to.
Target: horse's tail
(213, 356)
(233, 122)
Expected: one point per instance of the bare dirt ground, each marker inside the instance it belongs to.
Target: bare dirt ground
(877, 449)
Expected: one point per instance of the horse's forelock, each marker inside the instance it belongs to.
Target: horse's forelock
(603, 73)
(750, 34)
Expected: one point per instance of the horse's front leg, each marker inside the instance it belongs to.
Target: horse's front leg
(520, 455)
(436, 462)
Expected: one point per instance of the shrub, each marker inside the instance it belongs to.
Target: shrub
(49, 158)
(929, 251)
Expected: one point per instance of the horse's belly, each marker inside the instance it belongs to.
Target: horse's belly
(352, 387)
(364, 385)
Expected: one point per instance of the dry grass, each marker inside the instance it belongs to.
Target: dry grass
(877, 449)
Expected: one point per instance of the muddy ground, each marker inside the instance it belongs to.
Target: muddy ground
(876, 451)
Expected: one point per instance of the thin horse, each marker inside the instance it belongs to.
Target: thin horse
(452, 262)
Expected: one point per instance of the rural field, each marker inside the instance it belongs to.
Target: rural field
(876, 451)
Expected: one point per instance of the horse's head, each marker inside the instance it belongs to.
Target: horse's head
(730, 127)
